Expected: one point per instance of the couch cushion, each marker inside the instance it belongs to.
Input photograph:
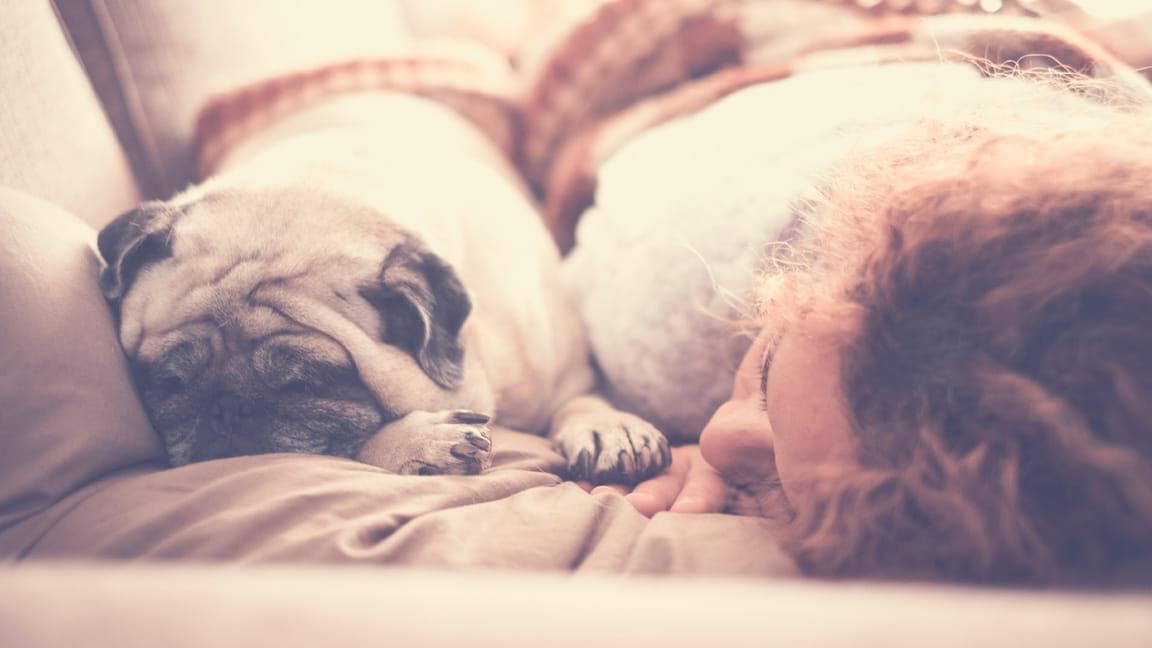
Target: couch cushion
(55, 141)
(156, 62)
(193, 606)
(68, 413)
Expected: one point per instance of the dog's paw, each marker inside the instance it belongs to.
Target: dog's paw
(456, 442)
(612, 447)
(450, 442)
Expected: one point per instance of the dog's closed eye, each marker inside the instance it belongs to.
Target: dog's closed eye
(177, 368)
(290, 370)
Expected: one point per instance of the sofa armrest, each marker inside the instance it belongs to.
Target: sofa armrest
(155, 63)
(121, 605)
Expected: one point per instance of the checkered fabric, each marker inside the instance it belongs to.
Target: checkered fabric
(615, 53)
(619, 67)
(578, 116)
(478, 86)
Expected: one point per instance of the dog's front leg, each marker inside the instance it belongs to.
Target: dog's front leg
(606, 446)
(450, 442)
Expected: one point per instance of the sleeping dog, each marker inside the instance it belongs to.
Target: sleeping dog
(365, 288)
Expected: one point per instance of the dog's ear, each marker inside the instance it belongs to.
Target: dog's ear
(423, 305)
(130, 241)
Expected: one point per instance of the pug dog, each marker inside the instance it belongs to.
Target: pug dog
(365, 287)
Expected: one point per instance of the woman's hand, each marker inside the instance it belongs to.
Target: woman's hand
(689, 485)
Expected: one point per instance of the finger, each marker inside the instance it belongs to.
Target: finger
(704, 490)
(657, 494)
(586, 485)
(610, 488)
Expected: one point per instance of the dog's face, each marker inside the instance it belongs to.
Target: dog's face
(281, 321)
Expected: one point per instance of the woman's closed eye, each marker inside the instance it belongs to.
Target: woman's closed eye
(766, 356)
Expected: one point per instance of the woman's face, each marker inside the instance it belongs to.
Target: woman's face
(785, 416)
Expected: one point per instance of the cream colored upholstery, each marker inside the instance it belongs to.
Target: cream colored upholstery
(68, 413)
(55, 142)
(157, 61)
(198, 606)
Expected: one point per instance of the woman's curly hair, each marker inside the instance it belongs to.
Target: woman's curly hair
(992, 304)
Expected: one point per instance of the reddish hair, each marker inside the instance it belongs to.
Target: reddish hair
(995, 330)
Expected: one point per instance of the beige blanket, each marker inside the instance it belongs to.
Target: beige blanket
(82, 475)
(291, 508)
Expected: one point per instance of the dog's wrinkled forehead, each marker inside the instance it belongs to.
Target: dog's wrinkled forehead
(252, 263)
(212, 258)
(270, 351)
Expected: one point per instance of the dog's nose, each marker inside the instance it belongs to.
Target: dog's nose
(230, 410)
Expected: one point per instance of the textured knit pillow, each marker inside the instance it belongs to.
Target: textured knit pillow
(472, 80)
(605, 57)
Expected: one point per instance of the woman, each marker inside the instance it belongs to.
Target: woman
(952, 372)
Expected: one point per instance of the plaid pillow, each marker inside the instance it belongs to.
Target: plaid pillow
(607, 57)
(471, 80)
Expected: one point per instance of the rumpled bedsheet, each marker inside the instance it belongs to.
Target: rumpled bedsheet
(313, 509)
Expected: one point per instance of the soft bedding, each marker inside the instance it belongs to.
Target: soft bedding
(311, 509)
(303, 508)
(81, 474)
(669, 254)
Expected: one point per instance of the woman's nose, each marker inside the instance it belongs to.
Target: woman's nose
(737, 441)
